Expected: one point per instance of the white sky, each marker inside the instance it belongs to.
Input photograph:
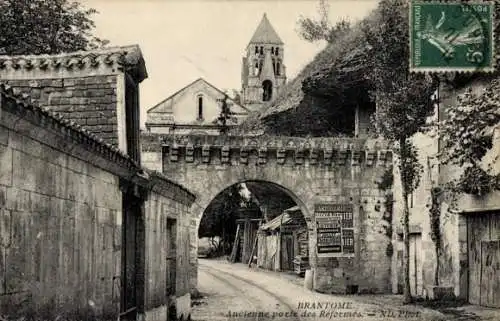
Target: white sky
(184, 40)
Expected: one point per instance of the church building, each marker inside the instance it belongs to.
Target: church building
(195, 108)
(263, 72)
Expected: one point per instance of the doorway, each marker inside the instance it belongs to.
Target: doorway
(171, 256)
(130, 257)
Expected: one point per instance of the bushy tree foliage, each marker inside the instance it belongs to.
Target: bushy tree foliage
(219, 219)
(46, 27)
(403, 100)
(313, 30)
(467, 133)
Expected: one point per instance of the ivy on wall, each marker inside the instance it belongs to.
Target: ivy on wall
(467, 135)
(435, 226)
(385, 184)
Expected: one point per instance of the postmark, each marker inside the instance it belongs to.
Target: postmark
(452, 36)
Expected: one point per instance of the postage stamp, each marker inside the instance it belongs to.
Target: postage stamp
(452, 36)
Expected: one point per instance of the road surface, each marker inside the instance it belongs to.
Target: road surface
(236, 292)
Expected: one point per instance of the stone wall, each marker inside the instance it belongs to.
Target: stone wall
(60, 222)
(311, 171)
(167, 213)
(67, 181)
(90, 102)
(454, 255)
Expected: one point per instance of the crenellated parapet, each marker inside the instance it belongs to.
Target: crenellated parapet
(235, 150)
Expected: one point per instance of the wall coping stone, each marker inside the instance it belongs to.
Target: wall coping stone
(124, 58)
(161, 184)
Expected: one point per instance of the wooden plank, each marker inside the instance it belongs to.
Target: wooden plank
(474, 259)
(234, 251)
(490, 276)
(253, 251)
(495, 227)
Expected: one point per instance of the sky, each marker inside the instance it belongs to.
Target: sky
(183, 40)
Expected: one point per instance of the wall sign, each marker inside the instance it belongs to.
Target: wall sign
(334, 227)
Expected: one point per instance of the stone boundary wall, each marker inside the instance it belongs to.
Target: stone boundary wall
(61, 196)
(60, 206)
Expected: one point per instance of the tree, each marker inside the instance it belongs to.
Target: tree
(219, 219)
(315, 30)
(46, 27)
(403, 101)
(225, 115)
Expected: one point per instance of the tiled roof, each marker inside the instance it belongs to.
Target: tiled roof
(265, 33)
(69, 128)
(128, 58)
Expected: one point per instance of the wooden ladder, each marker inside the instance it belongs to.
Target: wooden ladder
(236, 245)
(254, 245)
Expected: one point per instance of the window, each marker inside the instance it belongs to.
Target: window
(274, 66)
(256, 50)
(267, 85)
(261, 50)
(200, 107)
(278, 68)
(256, 69)
(260, 66)
(277, 51)
(272, 50)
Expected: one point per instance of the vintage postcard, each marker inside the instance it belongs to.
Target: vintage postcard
(249, 160)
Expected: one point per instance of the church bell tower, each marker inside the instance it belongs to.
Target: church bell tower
(263, 73)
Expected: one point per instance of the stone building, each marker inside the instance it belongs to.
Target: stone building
(263, 72)
(85, 230)
(193, 110)
(470, 230)
(334, 182)
(336, 81)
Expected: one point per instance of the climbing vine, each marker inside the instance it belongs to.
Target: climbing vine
(386, 180)
(435, 223)
(385, 184)
(467, 134)
(387, 216)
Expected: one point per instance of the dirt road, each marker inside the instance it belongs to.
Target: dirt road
(236, 292)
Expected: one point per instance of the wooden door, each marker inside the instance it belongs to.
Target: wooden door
(483, 238)
(129, 261)
(171, 256)
(416, 283)
(490, 274)
(286, 252)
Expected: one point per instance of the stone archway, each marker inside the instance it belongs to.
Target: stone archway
(322, 174)
(270, 200)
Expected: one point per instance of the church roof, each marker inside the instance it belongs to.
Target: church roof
(199, 80)
(265, 33)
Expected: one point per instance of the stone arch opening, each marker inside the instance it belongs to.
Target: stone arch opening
(267, 85)
(269, 226)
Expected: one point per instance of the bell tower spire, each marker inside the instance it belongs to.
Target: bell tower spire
(263, 72)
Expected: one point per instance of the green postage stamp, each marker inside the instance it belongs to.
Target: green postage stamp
(452, 36)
